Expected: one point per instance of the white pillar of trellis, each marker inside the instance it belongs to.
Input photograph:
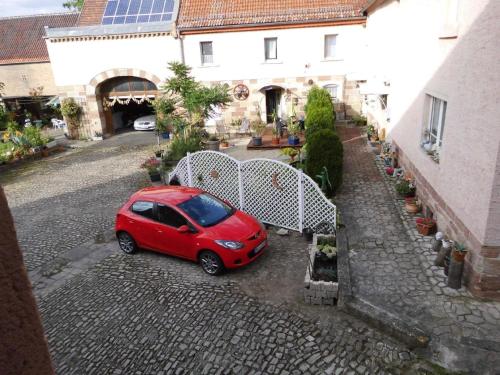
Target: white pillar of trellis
(300, 176)
(240, 185)
(190, 175)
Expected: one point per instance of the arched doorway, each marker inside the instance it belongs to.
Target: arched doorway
(124, 99)
(274, 96)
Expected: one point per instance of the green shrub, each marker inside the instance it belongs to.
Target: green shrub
(318, 96)
(180, 146)
(325, 150)
(319, 117)
(35, 137)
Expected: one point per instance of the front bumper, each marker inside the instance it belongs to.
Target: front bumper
(240, 258)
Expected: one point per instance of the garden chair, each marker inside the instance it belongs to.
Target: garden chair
(245, 127)
(221, 128)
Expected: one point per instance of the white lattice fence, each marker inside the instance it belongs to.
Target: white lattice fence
(270, 190)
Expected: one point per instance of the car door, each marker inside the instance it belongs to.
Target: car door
(168, 238)
(141, 223)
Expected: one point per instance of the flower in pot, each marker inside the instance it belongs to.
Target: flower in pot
(224, 142)
(293, 133)
(258, 128)
(213, 143)
(290, 152)
(389, 171)
(405, 188)
(459, 252)
(412, 205)
(426, 226)
(370, 130)
(276, 137)
(152, 165)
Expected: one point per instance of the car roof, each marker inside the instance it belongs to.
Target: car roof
(172, 195)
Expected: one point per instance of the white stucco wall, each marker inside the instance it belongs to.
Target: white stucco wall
(240, 55)
(77, 62)
(465, 72)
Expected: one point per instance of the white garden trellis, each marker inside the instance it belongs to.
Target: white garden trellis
(270, 190)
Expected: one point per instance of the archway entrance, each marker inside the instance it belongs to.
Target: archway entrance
(125, 99)
(273, 101)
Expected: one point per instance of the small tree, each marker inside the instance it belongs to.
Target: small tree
(318, 96)
(74, 5)
(319, 117)
(72, 111)
(324, 149)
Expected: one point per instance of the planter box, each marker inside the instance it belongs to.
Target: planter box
(51, 144)
(319, 292)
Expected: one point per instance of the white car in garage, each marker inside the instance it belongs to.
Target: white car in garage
(145, 123)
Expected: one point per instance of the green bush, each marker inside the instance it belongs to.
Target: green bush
(180, 146)
(318, 96)
(319, 117)
(35, 137)
(325, 150)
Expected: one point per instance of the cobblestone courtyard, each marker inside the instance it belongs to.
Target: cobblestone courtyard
(392, 267)
(107, 313)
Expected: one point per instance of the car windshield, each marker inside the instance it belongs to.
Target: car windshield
(206, 210)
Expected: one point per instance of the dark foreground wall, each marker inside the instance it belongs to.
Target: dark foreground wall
(23, 348)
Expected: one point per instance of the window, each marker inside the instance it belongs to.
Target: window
(330, 46)
(206, 210)
(207, 53)
(169, 216)
(271, 48)
(332, 90)
(144, 209)
(433, 132)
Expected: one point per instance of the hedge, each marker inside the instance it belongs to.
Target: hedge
(319, 117)
(325, 150)
(318, 96)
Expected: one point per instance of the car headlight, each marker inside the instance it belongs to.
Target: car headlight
(232, 245)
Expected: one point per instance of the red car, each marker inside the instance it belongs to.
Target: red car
(191, 224)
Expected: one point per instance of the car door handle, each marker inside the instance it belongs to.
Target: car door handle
(159, 231)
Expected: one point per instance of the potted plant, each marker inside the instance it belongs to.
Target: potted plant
(224, 142)
(426, 226)
(405, 188)
(290, 152)
(459, 252)
(276, 137)
(213, 143)
(258, 128)
(369, 131)
(412, 205)
(293, 133)
(152, 166)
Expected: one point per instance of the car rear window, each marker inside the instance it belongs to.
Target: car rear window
(144, 209)
(206, 210)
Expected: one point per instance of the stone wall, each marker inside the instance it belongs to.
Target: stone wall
(482, 264)
(19, 79)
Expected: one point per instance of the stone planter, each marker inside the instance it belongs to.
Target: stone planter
(318, 292)
(51, 144)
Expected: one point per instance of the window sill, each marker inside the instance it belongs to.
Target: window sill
(431, 154)
(208, 66)
(272, 62)
(332, 59)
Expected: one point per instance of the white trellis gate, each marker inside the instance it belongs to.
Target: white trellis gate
(270, 190)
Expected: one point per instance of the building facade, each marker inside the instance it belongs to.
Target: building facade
(25, 67)
(442, 107)
(288, 47)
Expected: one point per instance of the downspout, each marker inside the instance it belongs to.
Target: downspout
(177, 35)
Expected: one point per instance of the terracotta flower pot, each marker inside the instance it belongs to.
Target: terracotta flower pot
(459, 256)
(412, 208)
(426, 229)
(275, 141)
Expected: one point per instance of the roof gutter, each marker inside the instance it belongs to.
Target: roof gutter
(274, 25)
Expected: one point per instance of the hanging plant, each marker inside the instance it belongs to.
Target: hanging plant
(72, 111)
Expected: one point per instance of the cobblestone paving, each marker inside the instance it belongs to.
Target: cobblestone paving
(392, 265)
(60, 202)
(153, 314)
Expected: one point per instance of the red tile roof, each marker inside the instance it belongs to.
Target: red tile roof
(226, 13)
(92, 12)
(21, 38)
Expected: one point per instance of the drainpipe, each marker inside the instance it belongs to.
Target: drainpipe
(181, 40)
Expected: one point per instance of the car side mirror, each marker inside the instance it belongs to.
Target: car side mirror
(183, 229)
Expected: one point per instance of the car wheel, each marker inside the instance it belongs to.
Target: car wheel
(127, 243)
(211, 263)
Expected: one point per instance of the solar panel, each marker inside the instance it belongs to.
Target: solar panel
(137, 11)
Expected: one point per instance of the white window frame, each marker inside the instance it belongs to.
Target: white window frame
(335, 98)
(266, 58)
(203, 57)
(437, 139)
(325, 47)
